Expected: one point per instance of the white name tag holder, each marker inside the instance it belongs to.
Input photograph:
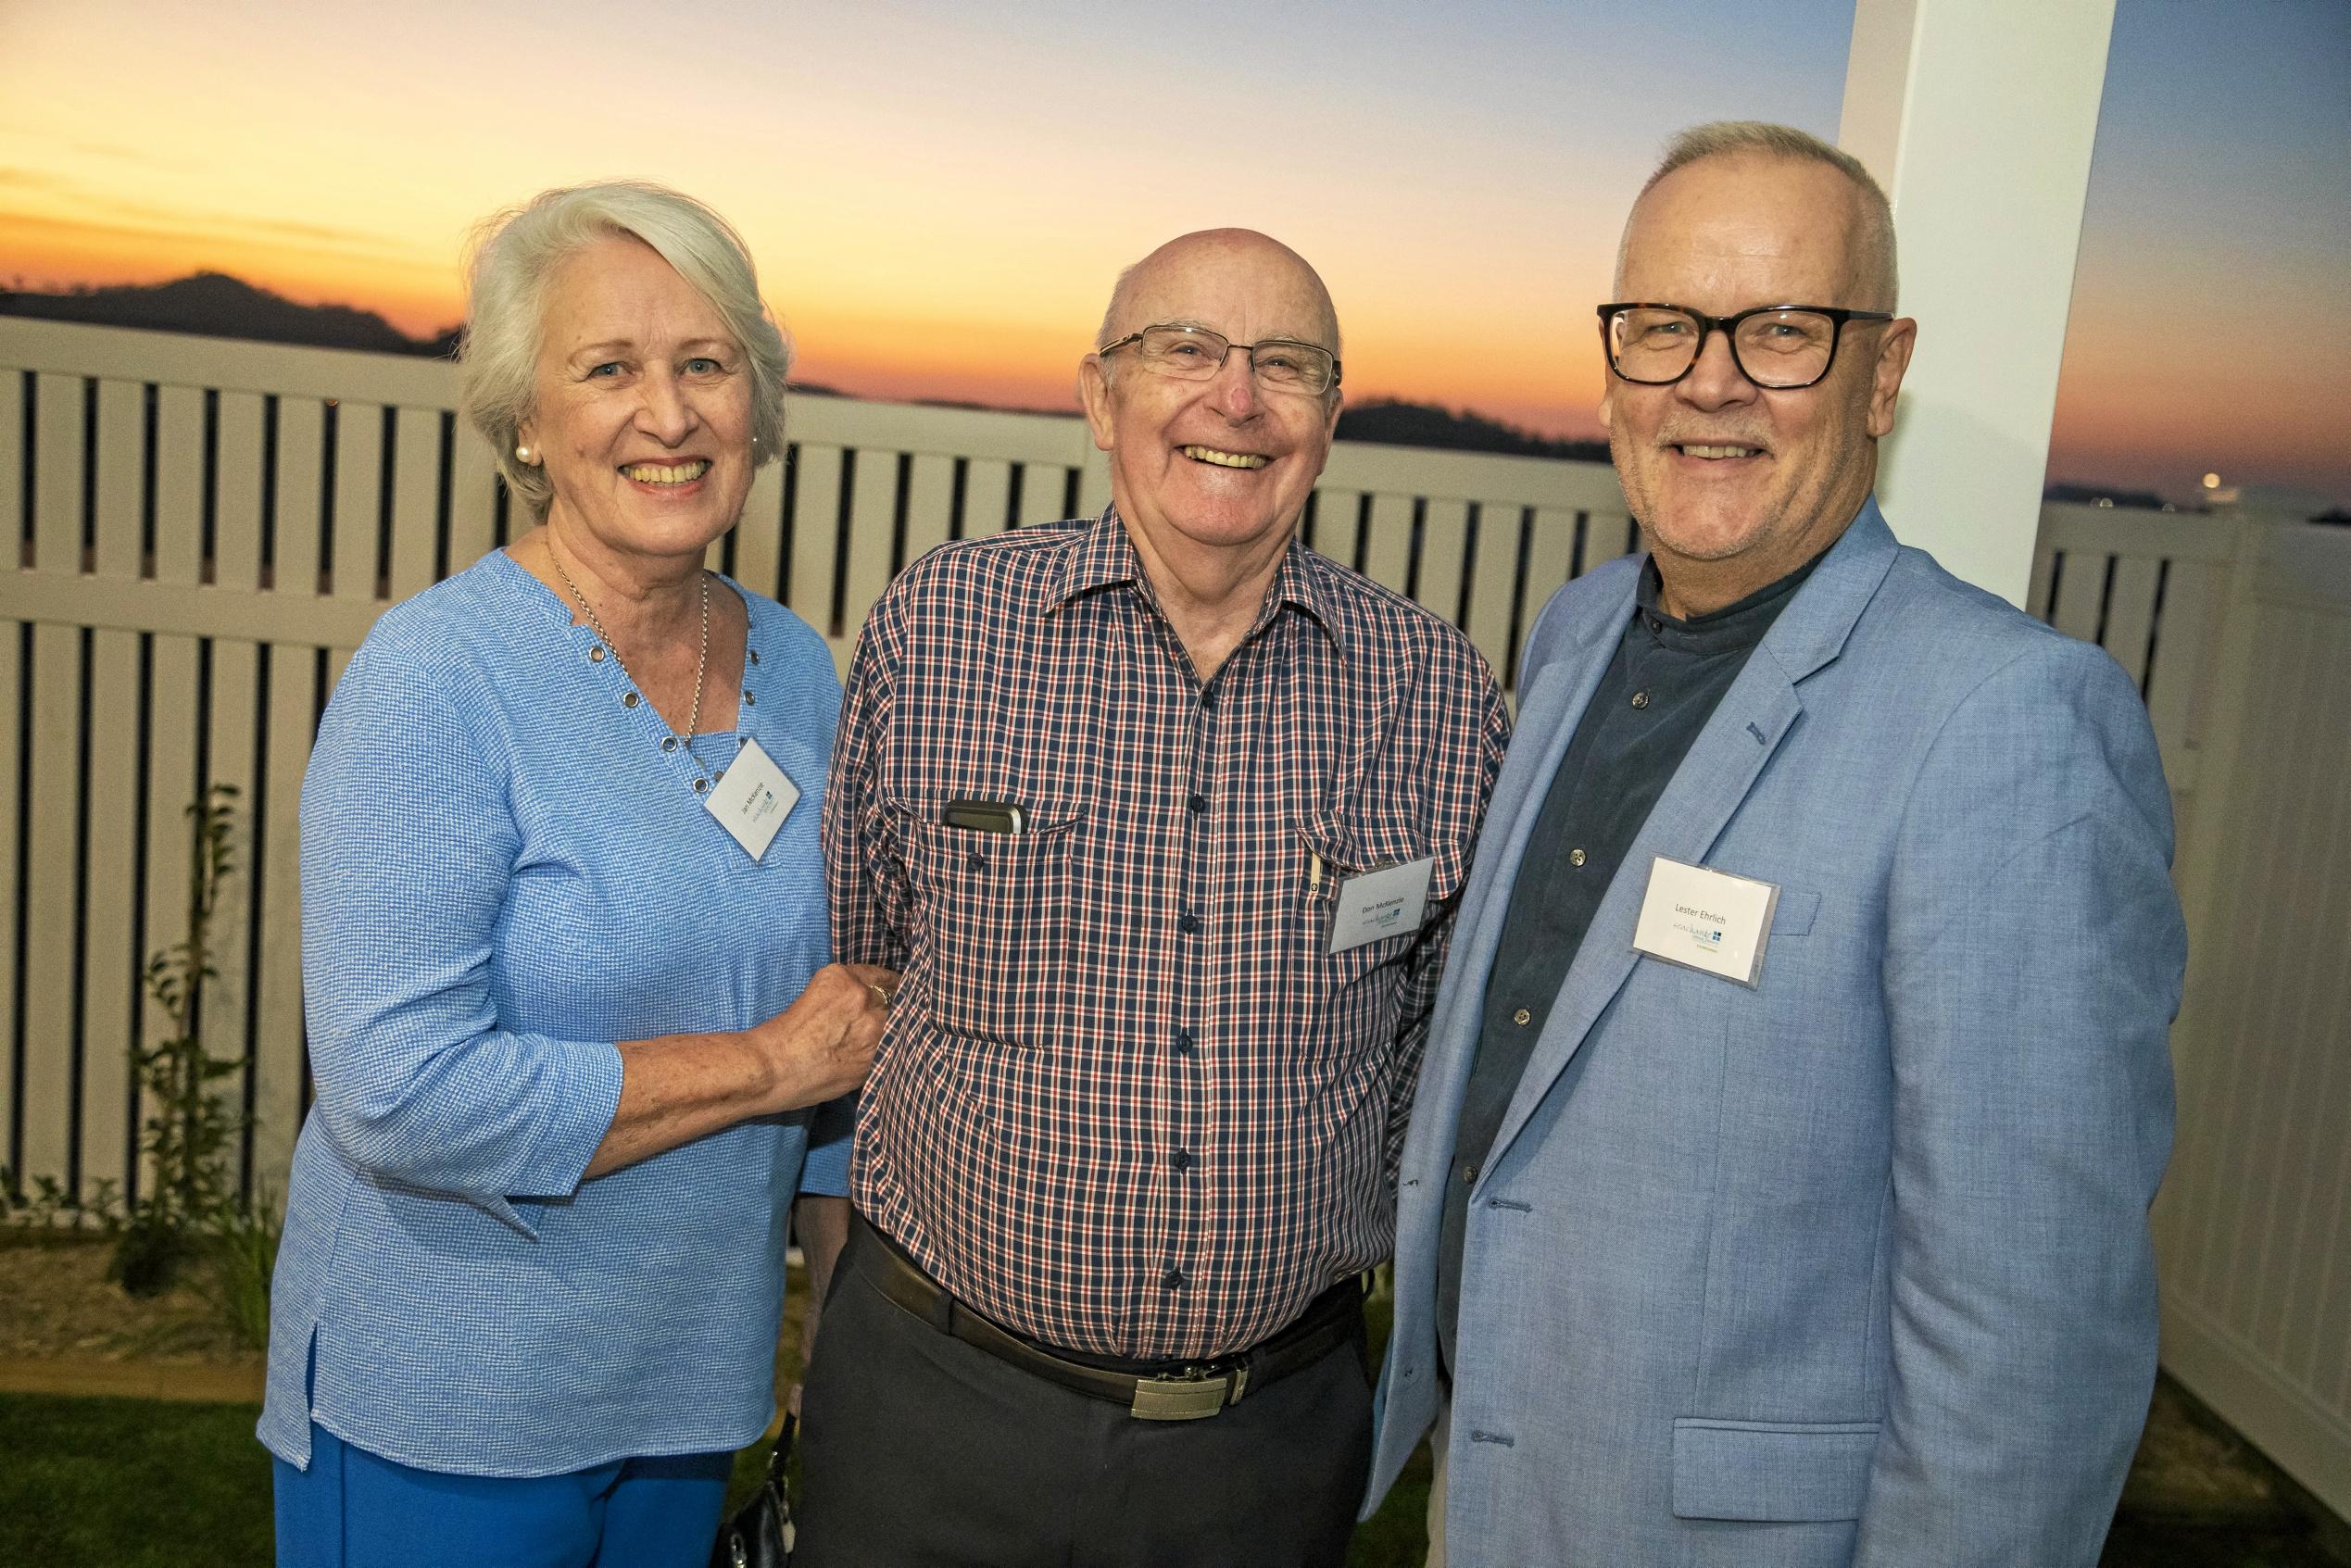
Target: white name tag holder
(1388, 902)
(751, 801)
(1706, 920)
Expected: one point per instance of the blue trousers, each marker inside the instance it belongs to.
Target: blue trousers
(354, 1509)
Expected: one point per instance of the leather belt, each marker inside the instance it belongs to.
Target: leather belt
(1331, 1320)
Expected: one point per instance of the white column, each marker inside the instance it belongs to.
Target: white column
(1978, 117)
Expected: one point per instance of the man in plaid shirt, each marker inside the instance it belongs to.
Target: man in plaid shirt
(1162, 816)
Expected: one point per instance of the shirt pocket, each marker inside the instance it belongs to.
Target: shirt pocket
(1350, 999)
(990, 960)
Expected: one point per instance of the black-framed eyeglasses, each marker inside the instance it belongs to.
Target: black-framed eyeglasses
(1780, 347)
(1189, 352)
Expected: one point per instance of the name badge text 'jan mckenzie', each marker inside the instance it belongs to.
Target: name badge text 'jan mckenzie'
(753, 799)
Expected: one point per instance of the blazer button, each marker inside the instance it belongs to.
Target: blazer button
(1522, 1017)
(1575, 856)
(1641, 699)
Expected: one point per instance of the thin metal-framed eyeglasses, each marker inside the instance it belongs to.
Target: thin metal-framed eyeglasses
(1191, 353)
(1783, 348)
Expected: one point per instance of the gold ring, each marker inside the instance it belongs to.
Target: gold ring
(881, 998)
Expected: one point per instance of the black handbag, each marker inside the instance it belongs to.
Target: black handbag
(759, 1536)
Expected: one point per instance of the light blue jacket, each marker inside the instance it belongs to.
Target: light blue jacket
(1851, 1268)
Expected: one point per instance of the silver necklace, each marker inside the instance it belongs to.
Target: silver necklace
(702, 659)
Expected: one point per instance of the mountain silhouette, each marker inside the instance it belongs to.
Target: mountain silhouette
(1395, 423)
(215, 305)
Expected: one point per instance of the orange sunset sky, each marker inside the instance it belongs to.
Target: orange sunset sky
(939, 195)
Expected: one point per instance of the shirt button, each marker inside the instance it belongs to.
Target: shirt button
(1187, 922)
(1173, 1279)
(1198, 803)
(1184, 1041)
(1208, 700)
(1522, 1017)
(750, 698)
(1575, 856)
(1181, 1160)
(1641, 699)
(979, 861)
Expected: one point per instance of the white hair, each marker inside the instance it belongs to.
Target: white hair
(514, 257)
(1873, 237)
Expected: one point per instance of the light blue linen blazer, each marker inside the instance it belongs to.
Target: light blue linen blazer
(1853, 1267)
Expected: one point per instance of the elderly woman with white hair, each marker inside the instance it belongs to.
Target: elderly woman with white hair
(575, 1039)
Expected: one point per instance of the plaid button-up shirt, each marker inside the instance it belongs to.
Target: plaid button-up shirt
(1129, 1103)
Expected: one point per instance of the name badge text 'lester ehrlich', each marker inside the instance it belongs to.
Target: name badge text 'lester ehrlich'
(1706, 920)
(1388, 902)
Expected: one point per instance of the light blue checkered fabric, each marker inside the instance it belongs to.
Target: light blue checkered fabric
(503, 873)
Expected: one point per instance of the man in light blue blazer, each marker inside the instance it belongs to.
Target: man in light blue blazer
(1777, 1192)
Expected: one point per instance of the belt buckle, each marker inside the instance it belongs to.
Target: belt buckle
(1189, 1396)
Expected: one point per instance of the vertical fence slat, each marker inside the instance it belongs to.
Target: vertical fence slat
(1042, 486)
(930, 503)
(178, 484)
(816, 501)
(2045, 565)
(1493, 581)
(872, 508)
(1339, 523)
(359, 496)
(12, 457)
(57, 496)
(110, 970)
(416, 499)
(172, 785)
(2131, 613)
(11, 674)
(1388, 554)
(1444, 552)
(988, 496)
(228, 999)
(2081, 588)
(277, 1099)
(49, 979)
(473, 497)
(759, 537)
(122, 452)
(300, 476)
(2184, 653)
(236, 515)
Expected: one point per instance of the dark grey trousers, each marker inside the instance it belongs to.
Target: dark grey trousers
(918, 1450)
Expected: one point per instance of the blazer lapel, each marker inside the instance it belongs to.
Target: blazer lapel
(1548, 714)
(1744, 731)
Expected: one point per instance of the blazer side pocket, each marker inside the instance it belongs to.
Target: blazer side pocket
(1780, 1472)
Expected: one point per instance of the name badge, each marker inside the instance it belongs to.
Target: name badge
(1388, 902)
(753, 799)
(1706, 920)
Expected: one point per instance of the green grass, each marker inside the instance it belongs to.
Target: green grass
(134, 1484)
(130, 1484)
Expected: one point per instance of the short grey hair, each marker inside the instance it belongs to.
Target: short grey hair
(513, 257)
(1874, 261)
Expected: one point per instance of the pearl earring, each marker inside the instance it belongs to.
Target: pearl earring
(521, 454)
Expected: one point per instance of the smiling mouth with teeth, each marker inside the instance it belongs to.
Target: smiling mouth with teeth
(1693, 449)
(663, 473)
(1224, 460)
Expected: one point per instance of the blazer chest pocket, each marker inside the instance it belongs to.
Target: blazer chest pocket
(989, 956)
(1778, 1472)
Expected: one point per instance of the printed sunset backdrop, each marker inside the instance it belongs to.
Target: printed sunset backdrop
(938, 195)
